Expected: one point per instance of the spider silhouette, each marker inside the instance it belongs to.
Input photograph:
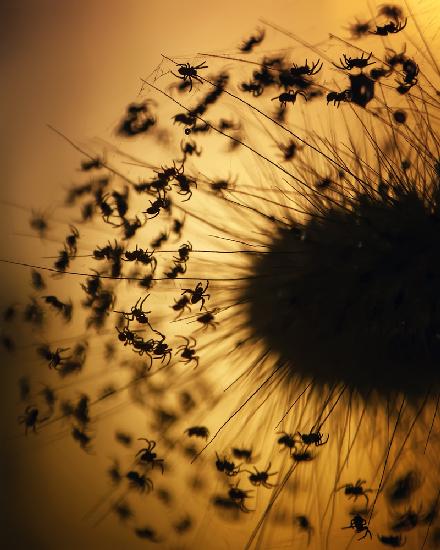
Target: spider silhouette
(189, 72)
(289, 97)
(147, 456)
(188, 351)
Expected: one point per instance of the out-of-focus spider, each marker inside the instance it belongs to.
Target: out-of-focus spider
(289, 97)
(312, 438)
(337, 97)
(148, 534)
(207, 320)
(242, 454)
(349, 63)
(239, 497)
(252, 41)
(304, 524)
(188, 72)
(302, 70)
(226, 466)
(139, 481)
(147, 456)
(355, 491)
(288, 441)
(71, 240)
(54, 357)
(91, 164)
(188, 352)
(359, 524)
(29, 419)
(359, 29)
(198, 294)
(390, 28)
(410, 71)
(189, 148)
(258, 478)
(180, 305)
(178, 269)
(197, 431)
(302, 456)
(82, 438)
(122, 510)
(395, 541)
(255, 88)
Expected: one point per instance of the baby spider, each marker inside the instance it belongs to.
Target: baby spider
(288, 441)
(54, 357)
(188, 72)
(129, 337)
(302, 70)
(389, 28)
(183, 252)
(355, 491)
(396, 541)
(207, 320)
(139, 481)
(188, 351)
(258, 478)
(349, 63)
(359, 524)
(198, 294)
(136, 312)
(312, 438)
(224, 465)
(29, 419)
(252, 41)
(180, 305)
(289, 97)
(147, 456)
(197, 431)
(161, 350)
(239, 496)
(337, 97)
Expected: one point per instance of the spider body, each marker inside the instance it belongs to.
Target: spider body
(226, 466)
(239, 497)
(355, 491)
(198, 294)
(302, 70)
(337, 97)
(288, 441)
(289, 97)
(127, 336)
(198, 431)
(137, 313)
(188, 352)
(162, 351)
(349, 63)
(258, 478)
(395, 541)
(82, 438)
(142, 256)
(184, 183)
(312, 438)
(29, 419)
(207, 320)
(54, 357)
(390, 28)
(249, 44)
(181, 304)
(183, 252)
(359, 524)
(242, 454)
(139, 481)
(189, 72)
(147, 456)
(154, 209)
(255, 88)
(178, 269)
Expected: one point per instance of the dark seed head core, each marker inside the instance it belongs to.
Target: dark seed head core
(354, 296)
